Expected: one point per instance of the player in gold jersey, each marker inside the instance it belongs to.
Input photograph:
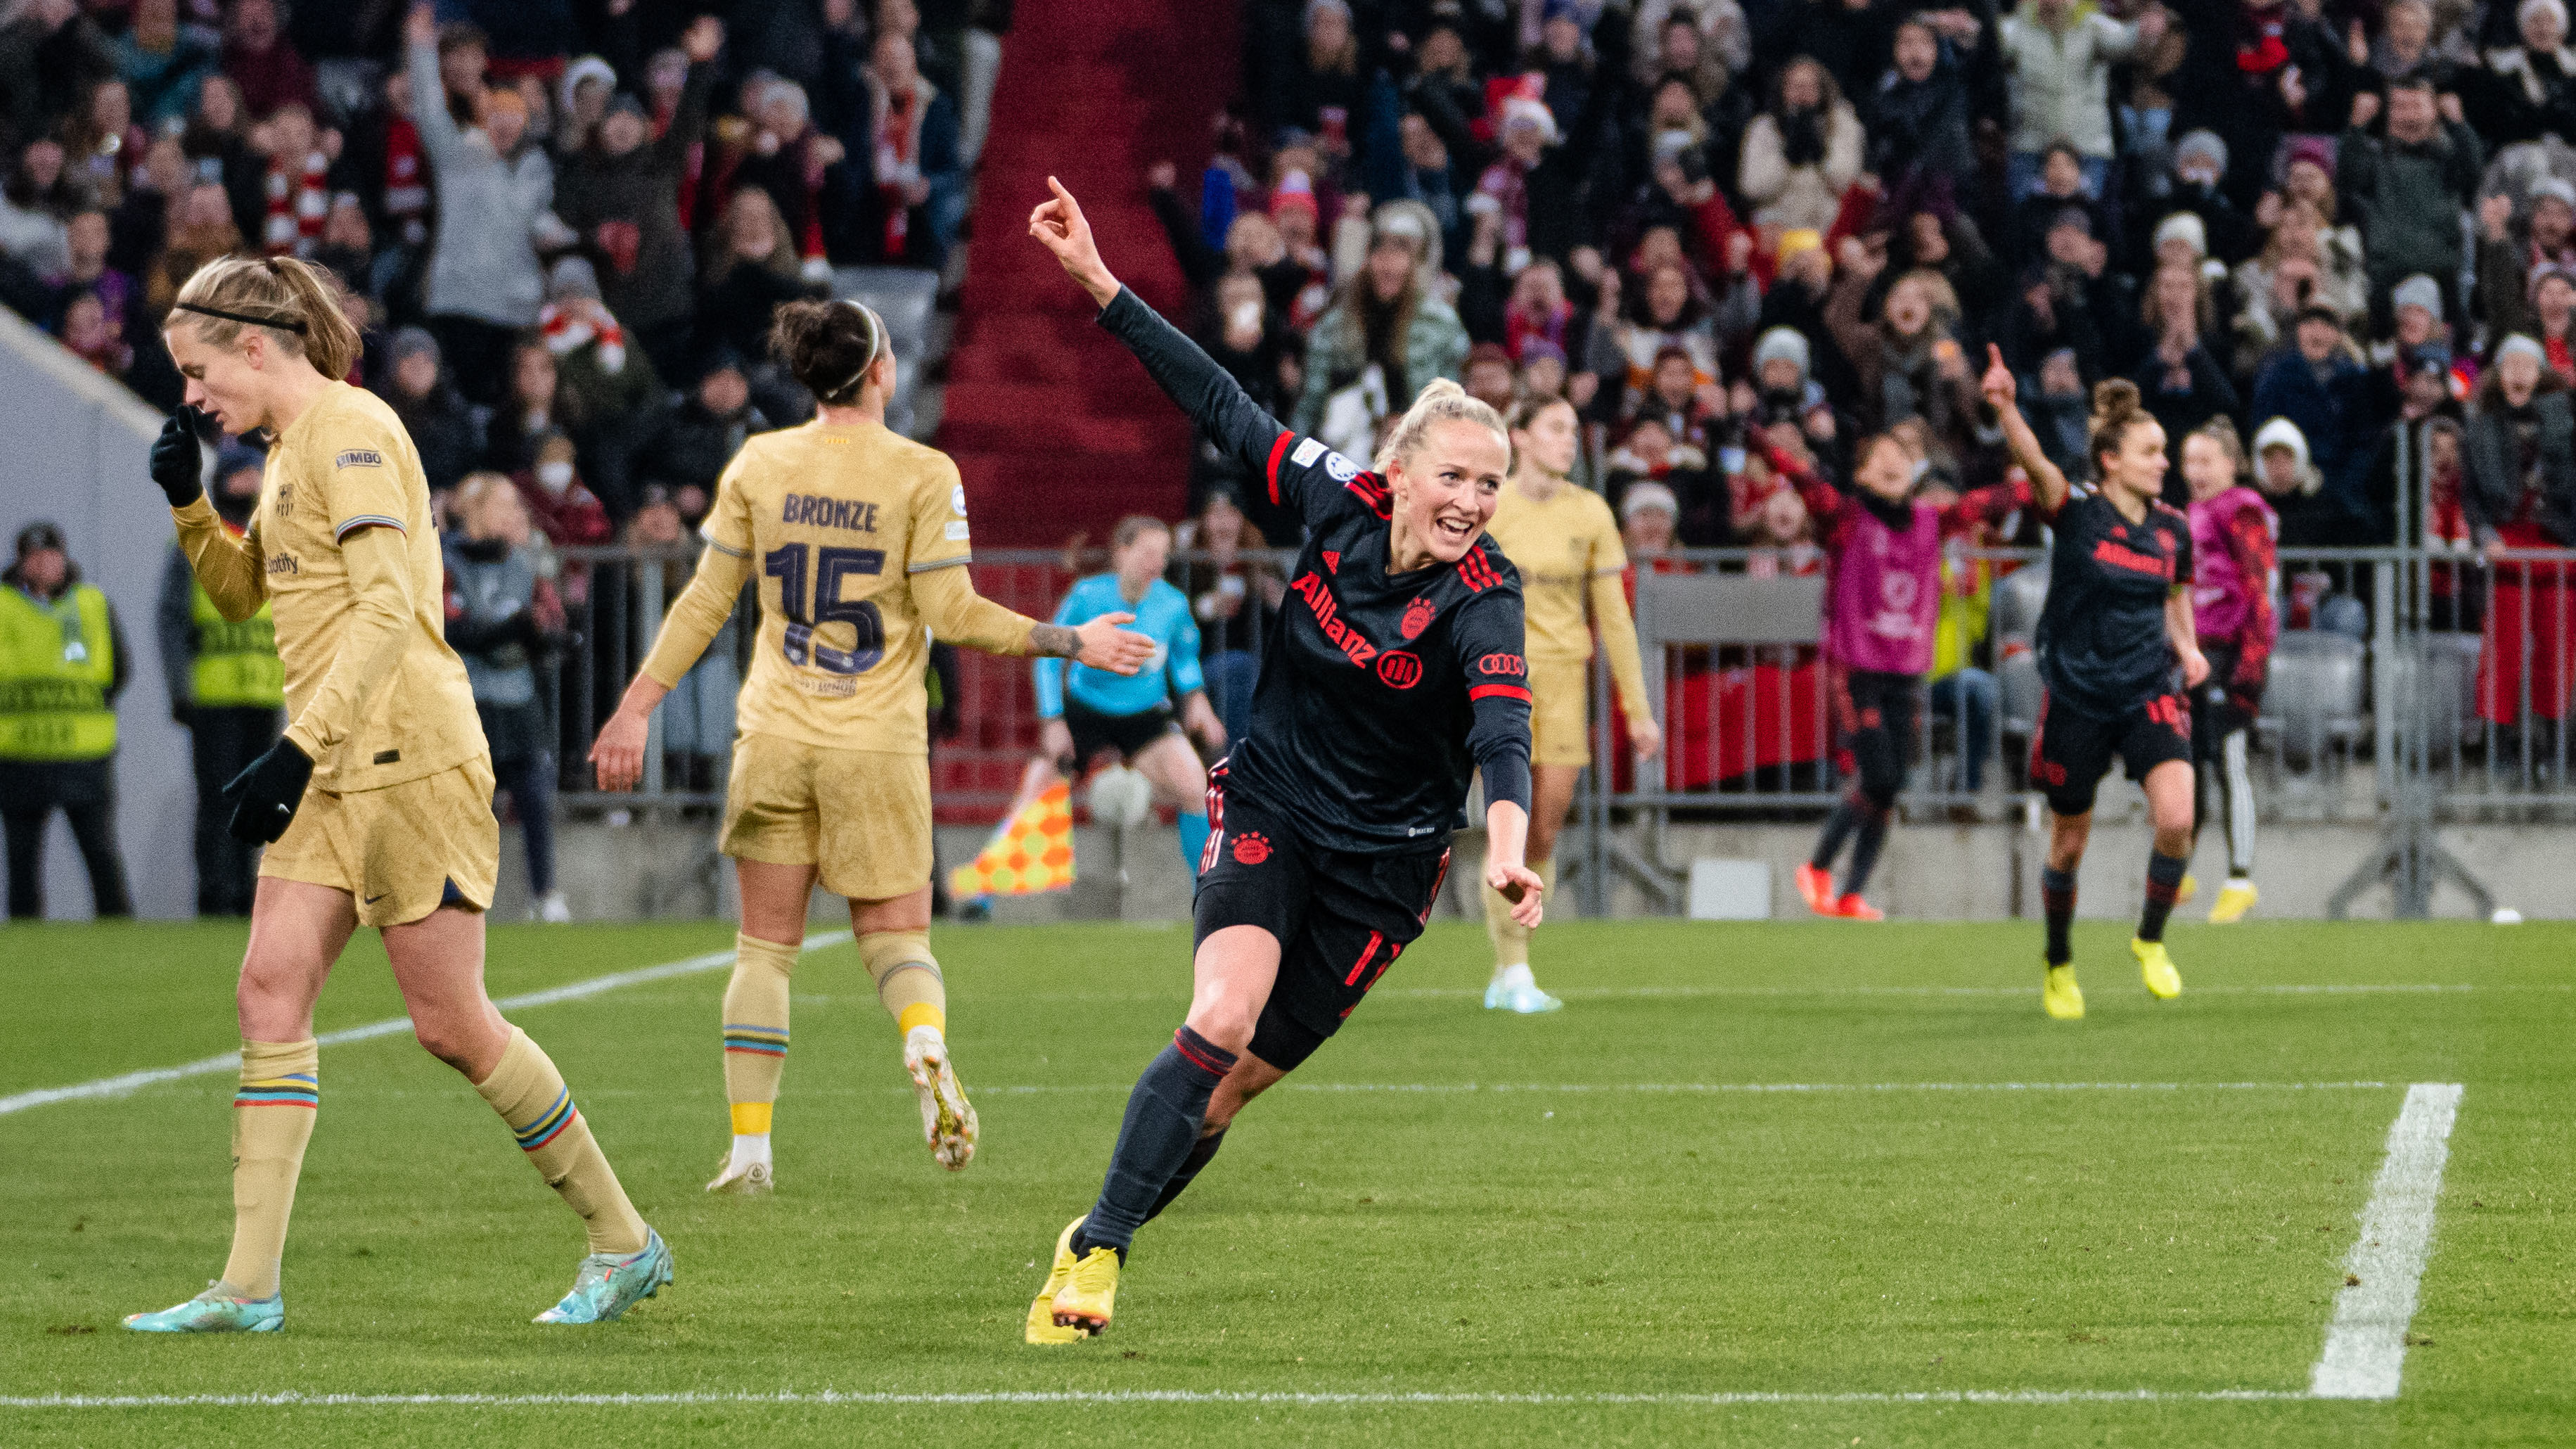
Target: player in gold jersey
(858, 539)
(377, 805)
(1563, 540)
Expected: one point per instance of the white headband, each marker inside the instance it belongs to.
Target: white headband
(876, 340)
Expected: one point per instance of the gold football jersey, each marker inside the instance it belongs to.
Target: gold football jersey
(835, 521)
(344, 465)
(1559, 546)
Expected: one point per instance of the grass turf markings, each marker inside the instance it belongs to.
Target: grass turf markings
(2365, 1352)
(124, 1083)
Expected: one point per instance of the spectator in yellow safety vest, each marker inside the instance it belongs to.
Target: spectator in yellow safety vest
(62, 663)
(226, 688)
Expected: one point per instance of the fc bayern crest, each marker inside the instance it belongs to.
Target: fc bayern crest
(1417, 617)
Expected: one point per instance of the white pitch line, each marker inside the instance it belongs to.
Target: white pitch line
(1288, 1397)
(1754, 1088)
(2365, 1352)
(1591, 993)
(119, 1086)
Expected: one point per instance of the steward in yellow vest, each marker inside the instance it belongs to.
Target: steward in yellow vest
(62, 664)
(227, 687)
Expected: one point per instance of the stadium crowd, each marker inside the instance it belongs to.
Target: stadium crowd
(562, 226)
(1738, 235)
(1742, 234)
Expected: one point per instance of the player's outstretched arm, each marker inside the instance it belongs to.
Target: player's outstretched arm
(1506, 869)
(956, 613)
(2046, 481)
(692, 624)
(1187, 375)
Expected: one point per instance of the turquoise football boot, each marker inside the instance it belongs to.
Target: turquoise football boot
(217, 1310)
(609, 1284)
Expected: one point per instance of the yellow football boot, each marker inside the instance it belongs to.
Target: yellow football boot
(2190, 887)
(1042, 1327)
(2156, 968)
(1083, 1305)
(2059, 996)
(2234, 899)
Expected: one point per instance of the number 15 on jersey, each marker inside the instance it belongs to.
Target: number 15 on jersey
(791, 565)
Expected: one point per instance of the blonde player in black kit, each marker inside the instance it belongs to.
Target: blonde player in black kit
(2118, 658)
(1395, 672)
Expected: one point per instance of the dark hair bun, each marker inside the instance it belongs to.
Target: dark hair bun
(2115, 400)
(827, 345)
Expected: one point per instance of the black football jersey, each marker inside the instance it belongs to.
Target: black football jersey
(1380, 693)
(2102, 642)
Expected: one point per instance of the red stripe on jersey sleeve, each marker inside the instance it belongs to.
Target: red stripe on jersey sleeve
(1278, 450)
(1507, 691)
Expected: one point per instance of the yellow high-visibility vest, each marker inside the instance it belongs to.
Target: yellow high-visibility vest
(56, 662)
(237, 663)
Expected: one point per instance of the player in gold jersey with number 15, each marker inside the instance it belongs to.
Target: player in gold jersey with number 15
(858, 539)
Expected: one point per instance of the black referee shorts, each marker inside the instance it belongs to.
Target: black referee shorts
(1095, 733)
(2073, 750)
(1340, 918)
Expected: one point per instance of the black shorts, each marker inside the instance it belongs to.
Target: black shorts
(2217, 716)
(2073, 750)
(1875, 714)
(1341, 919)
(1095, 733)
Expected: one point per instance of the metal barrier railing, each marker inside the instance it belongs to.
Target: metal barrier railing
(616, 597)
(2444, 673)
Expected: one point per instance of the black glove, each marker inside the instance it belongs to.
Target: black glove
(179, 458)
(264, 796)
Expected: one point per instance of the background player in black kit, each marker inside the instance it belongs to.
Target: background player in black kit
(1394, 672)
(2117, 657)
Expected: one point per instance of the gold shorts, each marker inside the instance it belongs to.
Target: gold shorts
(863, 816)
(397, 850)
(1560, 708)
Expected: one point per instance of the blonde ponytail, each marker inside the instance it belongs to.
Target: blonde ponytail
(292, 300)
(1440, 401)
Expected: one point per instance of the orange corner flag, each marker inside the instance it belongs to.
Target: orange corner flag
(1032, 851)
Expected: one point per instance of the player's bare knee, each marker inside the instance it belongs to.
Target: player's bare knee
(450, 1038)
(1225, 1025)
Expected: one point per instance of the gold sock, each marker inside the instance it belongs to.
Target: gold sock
(909, 985)
(272, 1120)
(755, 1030)
(531, 1097)
(1511, 939)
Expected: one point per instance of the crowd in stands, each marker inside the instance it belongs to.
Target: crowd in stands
(558, 221)
(1741, 232)
(562, 227)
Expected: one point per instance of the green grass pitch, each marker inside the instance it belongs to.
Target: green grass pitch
(1592, 1223)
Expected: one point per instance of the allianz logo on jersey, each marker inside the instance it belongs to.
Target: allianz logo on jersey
(818, 512)
(1328, 611)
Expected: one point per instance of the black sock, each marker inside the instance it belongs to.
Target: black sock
(1873, 834)
(1201, 1152)
(2057, 898)
(1838, 828)
(2164, 882)
(1164, 1114)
